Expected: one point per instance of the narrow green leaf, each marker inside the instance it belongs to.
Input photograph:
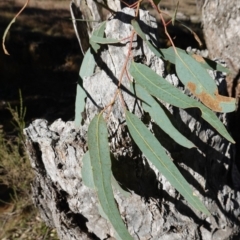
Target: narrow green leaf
(143, 36)
(170, 55)
(79, 104)
(138, 29)
(155, 153)
(199, 82)
(100, 30)
(151, 106)
(102, 40)
(116, 186)
(100, 33)
(86, 70)
(189, 70)
(160, 88)
(88, 65)
(101, 166)
(87, 175)
(101, 212)
(212, 65)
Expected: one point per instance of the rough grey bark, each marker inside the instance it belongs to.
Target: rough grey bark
(221, 21)
(153, 210)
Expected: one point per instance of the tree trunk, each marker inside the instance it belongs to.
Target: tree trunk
(221, 21)
(150, 207)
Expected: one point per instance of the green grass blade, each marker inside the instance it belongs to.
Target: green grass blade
(160, 88)
(156, 112)
(101, 167)
(155, 153)
(199, 82)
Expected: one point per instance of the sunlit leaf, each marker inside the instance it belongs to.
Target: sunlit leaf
(88, 65)
(151, 106)
(189, 70)
(160, 88)
(169, 54)
(155, 153)
(100, 33)
(199, 82)
(87, 176)
(86, 70)
(102, 40)
(101, 167)
(117, 186)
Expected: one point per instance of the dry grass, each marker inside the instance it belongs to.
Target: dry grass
(19, 219)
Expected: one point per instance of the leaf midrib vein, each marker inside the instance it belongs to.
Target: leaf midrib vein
(163, 163)
(98, 144)
(174, 96)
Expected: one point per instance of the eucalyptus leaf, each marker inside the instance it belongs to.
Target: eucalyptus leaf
(117, 186)
(170, 55)
(199, 82)
(86, 70)
(101, 167)
(79, 104)
(156, 112)
(100, 33)
(87, 176)
(102, 40)
(88, 65)
(155, 153)
(160, 88)
(143, 36)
